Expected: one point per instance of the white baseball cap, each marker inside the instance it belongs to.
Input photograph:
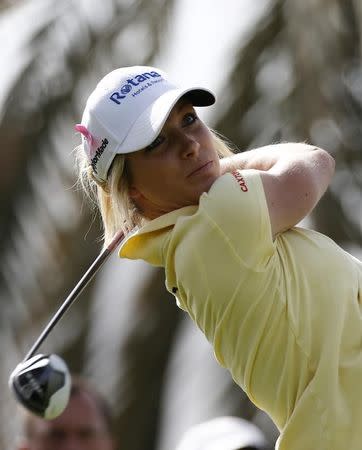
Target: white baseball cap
(127, 110)
(223, 433)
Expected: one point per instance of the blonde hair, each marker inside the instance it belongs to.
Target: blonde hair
(117, 210)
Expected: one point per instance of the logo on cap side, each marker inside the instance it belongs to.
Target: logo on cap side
(98, 153)
(125, 89)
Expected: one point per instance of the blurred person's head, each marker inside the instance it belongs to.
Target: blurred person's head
(223, 433)
(85, 424)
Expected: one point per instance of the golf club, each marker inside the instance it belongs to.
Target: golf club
(41, 383)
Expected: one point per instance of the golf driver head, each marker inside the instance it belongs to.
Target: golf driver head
(42, 385)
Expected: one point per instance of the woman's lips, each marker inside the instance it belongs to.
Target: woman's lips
(200, 169)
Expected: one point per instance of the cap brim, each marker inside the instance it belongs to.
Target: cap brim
(200, 96)
(149, 124)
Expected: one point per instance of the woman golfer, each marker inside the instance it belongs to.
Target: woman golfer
(281, 305)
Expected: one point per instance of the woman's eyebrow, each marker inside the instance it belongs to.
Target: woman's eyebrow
(183, 103)
(177, 109)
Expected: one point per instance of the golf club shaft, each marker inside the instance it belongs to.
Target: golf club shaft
(93, 269)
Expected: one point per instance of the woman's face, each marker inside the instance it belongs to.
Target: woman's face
(180, 164)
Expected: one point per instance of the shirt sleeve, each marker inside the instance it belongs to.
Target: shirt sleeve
(236, 204)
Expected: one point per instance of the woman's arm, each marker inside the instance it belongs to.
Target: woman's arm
(264, 158)
(294, 176)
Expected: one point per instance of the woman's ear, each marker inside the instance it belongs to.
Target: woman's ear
(137, 198)
(134, 193)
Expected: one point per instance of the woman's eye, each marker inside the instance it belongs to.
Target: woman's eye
(190, 118)
(158, 141)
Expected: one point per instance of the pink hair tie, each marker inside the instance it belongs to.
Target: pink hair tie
(87, 135)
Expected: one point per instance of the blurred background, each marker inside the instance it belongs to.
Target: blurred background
(281, 69)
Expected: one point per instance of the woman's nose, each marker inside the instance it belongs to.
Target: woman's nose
(189, 146)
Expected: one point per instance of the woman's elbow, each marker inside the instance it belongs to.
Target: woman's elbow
(326, 162)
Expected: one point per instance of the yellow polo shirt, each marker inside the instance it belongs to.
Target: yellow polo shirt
(284, 316)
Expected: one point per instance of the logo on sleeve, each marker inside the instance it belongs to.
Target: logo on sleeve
(239, 178)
